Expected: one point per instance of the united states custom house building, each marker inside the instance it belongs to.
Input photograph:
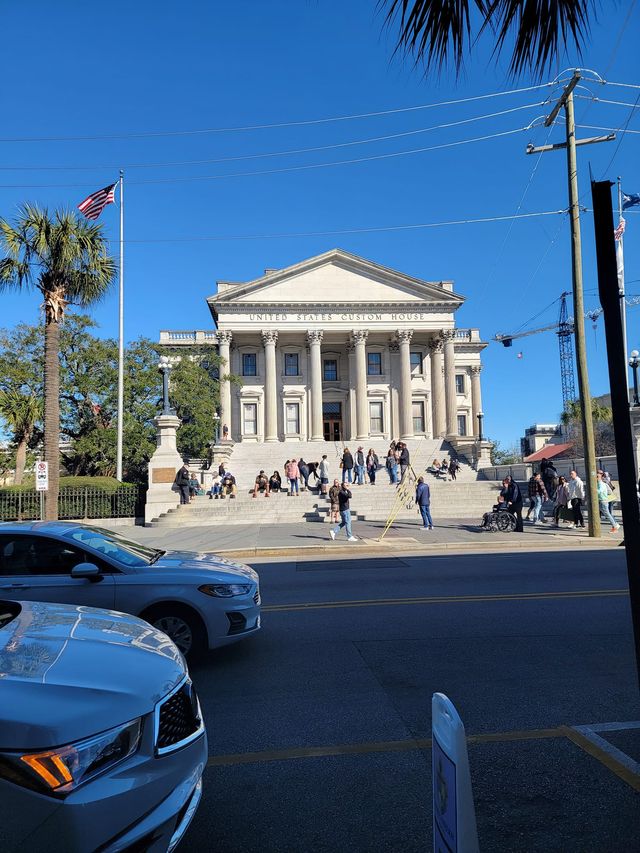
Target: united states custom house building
(339, 348)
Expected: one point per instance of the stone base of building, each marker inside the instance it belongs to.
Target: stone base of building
(163, 466)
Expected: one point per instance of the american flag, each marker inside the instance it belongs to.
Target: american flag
(94, 204)
(620, 229)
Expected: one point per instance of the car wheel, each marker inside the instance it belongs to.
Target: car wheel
(182, 625)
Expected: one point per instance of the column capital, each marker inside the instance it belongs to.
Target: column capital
(224, 337)
(436, 345)
(448, 335)
(314, 336)
(351, 347)
(359, 336)
(475, 369)
(404, 335)
(269, 336)
(394, 346)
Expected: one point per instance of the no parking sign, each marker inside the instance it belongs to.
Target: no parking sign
(42, 476)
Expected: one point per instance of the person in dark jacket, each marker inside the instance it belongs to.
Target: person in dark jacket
(423, 500)
(344, 496)
(182, 482)
(347, 465)
(303, 468)
(358, 478)
(404, 460)
(513, 499)
(372, 465)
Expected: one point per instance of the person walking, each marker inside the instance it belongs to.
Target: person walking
(323, 473)
(513, 499)
(358, 477)
(347, 465)
(604, 497)
(392, 466)
(453, 468)
(344, 496)
(423, 500)
(182, 483)
(561, 502)
(404, 460)
(334, 503)
(303, 468)
(549, 476)
(372, 465)
(292, 475)
(539, 497)
(576, 496)
(531, 491)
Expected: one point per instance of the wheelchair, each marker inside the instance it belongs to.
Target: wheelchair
(499, 521)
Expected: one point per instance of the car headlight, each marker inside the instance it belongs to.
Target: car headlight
(226, 590)
(63, 769)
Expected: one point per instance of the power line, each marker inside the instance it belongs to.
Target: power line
(336, 232)
(605, 101)
(610, 129)
(273, 153)
(191, 179)
(155, 134)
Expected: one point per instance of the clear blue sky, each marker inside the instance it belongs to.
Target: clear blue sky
(79, 70)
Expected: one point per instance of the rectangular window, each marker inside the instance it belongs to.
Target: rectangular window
(291, 364)
(417, 409)
(374, 364)
(250, 416)
(415, 359)
(375, 418)
(462, 424)
(330, 370)
(249, 366)
(293, 419)
(459, 383)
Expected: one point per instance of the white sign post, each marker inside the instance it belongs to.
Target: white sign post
(454, 815)
(42, 483)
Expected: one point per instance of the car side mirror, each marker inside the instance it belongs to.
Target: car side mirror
(86, 570)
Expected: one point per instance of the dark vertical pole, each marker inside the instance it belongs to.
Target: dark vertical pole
(609, 300)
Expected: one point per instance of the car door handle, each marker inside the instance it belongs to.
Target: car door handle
(16, 586)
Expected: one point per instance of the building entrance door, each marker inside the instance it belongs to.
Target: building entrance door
(332, 421)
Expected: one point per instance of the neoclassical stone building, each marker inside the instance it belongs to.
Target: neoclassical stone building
(340, 348)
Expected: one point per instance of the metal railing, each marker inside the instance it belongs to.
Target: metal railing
(74, 503)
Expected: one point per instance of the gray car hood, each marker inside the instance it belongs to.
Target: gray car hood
(69, 672)
(207, 562)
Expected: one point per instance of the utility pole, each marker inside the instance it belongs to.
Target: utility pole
(566, 101)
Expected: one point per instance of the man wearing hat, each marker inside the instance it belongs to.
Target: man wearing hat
(359, 466)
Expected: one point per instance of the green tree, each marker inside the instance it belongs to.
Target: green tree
(194, 393)
(436, 32)
(20, 412)
(505, 455)
(602, 427)
(66, 259)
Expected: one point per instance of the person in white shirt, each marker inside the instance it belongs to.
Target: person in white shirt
(323, 473)
(604, 496)
(576, 496)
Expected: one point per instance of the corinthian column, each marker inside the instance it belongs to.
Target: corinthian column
(362, 416)
(437, 388)
(224, 347)
(406, 415)
(448, 336)
(476, 398)
(314, 339)
(269, 339)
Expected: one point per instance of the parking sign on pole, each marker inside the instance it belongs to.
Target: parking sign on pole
(42, 476)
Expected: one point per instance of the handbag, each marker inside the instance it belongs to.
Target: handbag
(566, 513)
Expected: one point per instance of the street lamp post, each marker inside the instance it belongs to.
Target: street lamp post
(480, 416)
(634, 363)
(164, 366)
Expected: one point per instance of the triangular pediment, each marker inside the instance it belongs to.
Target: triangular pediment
(336, 277)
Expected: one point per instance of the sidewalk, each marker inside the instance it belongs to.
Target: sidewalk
(308, 538)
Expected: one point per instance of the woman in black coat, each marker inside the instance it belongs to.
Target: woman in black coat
(347, 465)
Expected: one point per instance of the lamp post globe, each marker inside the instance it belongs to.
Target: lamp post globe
(164, 366)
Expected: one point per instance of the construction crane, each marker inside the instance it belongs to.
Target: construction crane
(564, 329)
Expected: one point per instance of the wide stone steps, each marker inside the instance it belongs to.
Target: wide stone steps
(370, 503)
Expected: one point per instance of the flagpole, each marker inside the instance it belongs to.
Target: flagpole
(120, 338)
(621, 293)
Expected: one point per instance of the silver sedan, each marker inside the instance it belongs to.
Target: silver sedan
(200, 600)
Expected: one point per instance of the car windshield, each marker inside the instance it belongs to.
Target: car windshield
(115, 546)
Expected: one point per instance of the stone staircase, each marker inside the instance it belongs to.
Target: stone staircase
(467, 497)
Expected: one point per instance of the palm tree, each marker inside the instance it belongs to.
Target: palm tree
(66, 259)
(436, 31)
(20, 411)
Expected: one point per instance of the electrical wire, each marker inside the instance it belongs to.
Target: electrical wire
(610, 129)
(287, 152)
(605, 101)
(155, 134)
(336, 232)
(370, 158)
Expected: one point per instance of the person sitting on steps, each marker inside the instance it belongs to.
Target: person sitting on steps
(261, 484)
(229, 486)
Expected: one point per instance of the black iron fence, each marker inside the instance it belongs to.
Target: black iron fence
(75, 503)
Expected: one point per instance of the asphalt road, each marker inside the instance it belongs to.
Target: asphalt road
(522, 643)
